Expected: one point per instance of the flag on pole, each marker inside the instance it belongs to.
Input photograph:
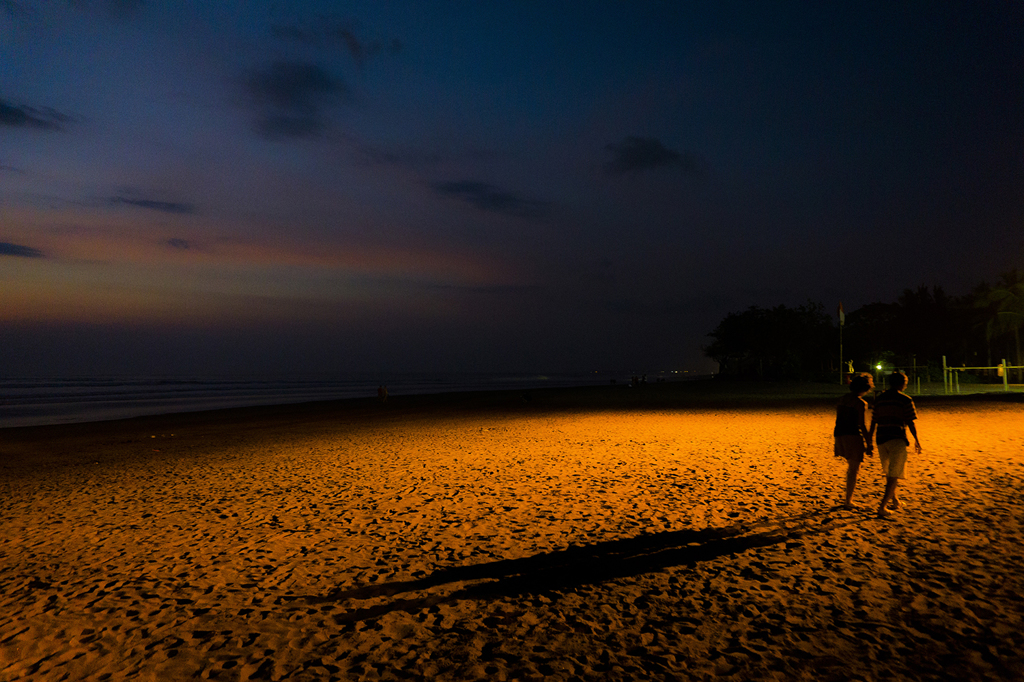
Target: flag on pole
(842, 315)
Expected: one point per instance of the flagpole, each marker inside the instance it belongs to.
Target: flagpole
(842, 321)
(841, 354)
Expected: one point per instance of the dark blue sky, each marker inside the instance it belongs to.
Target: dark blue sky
(278, 187)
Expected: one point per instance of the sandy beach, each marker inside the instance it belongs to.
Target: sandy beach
(669, 532)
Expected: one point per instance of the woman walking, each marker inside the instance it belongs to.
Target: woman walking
(851, 431)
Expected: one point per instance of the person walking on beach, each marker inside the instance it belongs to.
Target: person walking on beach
(851, 431)
(893, 414)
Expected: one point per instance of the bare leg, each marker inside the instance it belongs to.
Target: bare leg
(851, 482)
(890, 494)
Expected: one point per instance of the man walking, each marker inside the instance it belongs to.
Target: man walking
(893, 414)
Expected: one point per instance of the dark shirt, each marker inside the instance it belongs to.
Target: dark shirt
(850, 416)
(893, 411)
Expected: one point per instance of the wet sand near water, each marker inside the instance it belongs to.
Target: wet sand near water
(580, 534)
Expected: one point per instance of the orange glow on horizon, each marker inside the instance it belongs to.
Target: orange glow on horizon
(107, 266)
(118, 238)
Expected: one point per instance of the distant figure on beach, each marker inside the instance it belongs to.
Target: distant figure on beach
(893, 414)
(382, 393)
(851, 432)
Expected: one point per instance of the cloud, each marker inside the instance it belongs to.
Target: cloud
(335, 33)
(18, 115)
(359, 50)
(490, 198)
(289, 98)
(8, 249)
(178, 243)
(292, 85)
(153, 205)
(645, 153)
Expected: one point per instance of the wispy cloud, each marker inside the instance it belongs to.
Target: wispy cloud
(635, 154)
(154, 205)
(22, 116)
(289, 98)
(337, 33)
(178, 243)
(493, 199)
(8, 249)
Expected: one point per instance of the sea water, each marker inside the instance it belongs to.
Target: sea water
(29, 402)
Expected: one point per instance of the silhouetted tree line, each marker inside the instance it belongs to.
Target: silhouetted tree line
(775, 343)
(978, 329)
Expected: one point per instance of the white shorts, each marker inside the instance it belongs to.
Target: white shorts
(893, 455)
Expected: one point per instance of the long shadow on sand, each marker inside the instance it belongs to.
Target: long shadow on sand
(583, 565)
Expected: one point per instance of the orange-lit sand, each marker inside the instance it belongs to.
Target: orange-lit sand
(520, 540)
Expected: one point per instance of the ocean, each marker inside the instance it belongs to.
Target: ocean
(31, 402)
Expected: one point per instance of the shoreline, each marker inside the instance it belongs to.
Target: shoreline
(37, 443)
(28, 402)
(705, 392)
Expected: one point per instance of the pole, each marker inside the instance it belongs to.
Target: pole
(945, 386)
(1006, 385)
(841, 367)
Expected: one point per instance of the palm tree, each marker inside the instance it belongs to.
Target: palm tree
(1006, 303)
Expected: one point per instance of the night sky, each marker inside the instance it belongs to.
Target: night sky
(303, 187)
